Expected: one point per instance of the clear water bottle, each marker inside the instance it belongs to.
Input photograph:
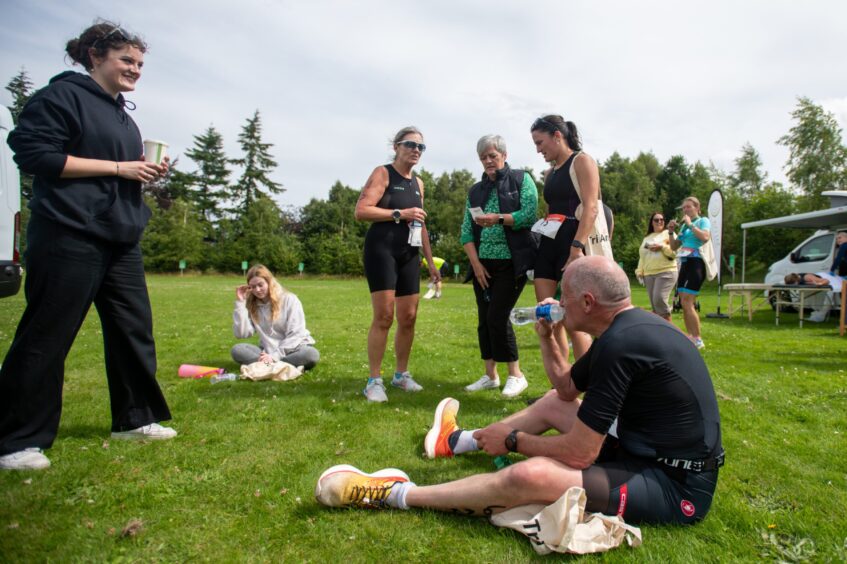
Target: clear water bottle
(526, 315)
(226, 377)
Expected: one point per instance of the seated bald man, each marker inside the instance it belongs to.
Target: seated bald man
(644, 442)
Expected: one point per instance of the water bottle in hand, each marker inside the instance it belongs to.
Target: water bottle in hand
(526, 315)
(227, 377)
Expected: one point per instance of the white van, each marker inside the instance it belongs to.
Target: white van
(815, 254)
(10, 212)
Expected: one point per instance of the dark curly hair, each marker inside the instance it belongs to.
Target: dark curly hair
(102, 36)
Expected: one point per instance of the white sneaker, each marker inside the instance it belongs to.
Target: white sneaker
(375, 390)
(406, 383)
(514, 386)
(437, 295)
(698, 342)
(484, 383)
(430, 293)
(27, 459)
(153, 431)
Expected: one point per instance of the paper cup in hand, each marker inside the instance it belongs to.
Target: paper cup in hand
(155, 151)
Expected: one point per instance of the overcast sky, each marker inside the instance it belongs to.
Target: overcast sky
(334, 80)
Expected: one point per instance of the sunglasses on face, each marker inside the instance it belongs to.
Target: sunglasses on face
(658, 220)
(412, 145)
(115, 31)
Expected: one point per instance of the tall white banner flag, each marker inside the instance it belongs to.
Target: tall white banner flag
(716, 220)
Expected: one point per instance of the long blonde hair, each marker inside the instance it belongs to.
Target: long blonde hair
(275, 292)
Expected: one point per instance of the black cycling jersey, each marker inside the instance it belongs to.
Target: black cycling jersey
(645, 373)
(390, 262)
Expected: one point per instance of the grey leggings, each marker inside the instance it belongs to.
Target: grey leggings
(659, 288)
(306, 356)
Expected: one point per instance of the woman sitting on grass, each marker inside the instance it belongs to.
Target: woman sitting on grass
(263, 306)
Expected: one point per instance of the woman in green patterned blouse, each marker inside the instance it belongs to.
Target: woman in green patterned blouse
(500, 210)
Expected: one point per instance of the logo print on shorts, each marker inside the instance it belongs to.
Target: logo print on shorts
(687, 507)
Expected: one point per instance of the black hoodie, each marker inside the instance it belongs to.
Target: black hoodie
(73, 115)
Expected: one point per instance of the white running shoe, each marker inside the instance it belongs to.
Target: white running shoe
(153, 431)
(514, 386)
(484, 383)
(698, 342)
(406, 383)
(26, 459)
(375, 390)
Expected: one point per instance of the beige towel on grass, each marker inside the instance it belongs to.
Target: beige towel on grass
(563, 526)
(278, 371)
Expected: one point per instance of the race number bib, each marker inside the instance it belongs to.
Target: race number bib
(548, 226)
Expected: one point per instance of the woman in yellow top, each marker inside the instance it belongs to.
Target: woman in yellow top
(657, 265)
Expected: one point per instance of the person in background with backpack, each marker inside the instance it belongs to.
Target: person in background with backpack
(500, 210)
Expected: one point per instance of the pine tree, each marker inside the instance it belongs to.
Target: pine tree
(257, 163)
(21, 89)
(210, 181)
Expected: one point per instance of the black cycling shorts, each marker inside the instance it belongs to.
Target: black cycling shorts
(646, 491)
(554, 253)
(692, 273)
(390, 262)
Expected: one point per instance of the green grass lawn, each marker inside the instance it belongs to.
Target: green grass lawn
(238, 481)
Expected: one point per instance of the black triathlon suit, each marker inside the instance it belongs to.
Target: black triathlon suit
(561, 198)
(391, 263)
(645, 373)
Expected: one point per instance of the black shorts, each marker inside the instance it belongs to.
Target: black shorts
(390, 262)
(646, 491)
(692, 273)
(554, 253)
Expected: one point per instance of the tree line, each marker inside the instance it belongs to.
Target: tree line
(213, 219)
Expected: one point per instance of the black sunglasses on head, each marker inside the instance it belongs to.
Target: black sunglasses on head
(544, 125)
(121, 33)
(412, 145)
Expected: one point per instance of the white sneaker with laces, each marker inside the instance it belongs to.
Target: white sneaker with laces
(406, 383)
(375, 390)
(514, 386)
(484, 383)
(26, 459)
(153, 431)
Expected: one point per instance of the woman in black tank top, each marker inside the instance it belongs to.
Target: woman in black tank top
(392, 200)
(558, 142)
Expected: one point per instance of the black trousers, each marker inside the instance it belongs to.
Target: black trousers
(496, 336)
(67, 271)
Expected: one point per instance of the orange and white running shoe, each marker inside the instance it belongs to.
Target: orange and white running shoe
(444, 424)
(347, 486)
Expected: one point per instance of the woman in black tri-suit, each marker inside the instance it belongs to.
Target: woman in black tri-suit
(558, 142)
(392, 200)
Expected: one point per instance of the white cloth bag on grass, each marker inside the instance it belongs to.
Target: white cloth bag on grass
(563, 526)
(278, 371)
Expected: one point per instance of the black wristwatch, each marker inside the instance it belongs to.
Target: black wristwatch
(579, 245)
(396, 215)
(500, 219)
(512, 441)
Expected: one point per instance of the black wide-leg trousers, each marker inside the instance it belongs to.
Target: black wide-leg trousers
(494, 329)
(67, 271)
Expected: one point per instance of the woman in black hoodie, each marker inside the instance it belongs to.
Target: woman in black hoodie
(86, 155)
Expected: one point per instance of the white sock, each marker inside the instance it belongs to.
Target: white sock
(466, 443)
(397, 497)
